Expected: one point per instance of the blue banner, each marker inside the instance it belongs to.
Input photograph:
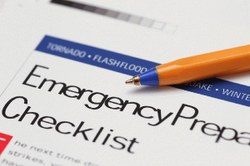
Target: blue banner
(94, 56)
(217, 88)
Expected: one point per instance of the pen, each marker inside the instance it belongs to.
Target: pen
(218, 63)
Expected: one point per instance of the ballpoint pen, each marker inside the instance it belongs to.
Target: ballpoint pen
(218, 63)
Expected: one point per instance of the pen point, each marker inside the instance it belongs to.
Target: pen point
(135, 80)
(130, 81)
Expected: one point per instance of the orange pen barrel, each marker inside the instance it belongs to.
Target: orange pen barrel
(203, 66)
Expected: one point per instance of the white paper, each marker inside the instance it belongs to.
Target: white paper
(170, 126)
